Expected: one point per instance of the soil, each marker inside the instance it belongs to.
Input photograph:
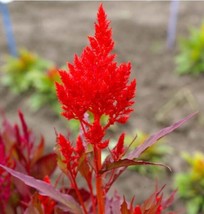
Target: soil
(57, 30)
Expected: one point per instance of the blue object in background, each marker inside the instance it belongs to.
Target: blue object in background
(8, 28)
(171, 32)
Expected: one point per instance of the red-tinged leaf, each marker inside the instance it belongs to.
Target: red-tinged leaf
(153, 204)
(131, 203)
(38, 152)
(127, 162)
(168, 202)
(34, 206)
(150, 205)
(68, 203)
(113, 204)
(116, 174)
(154, 138)
(21, 188)
(83, 192)
(44, 166)
(124, 208)
(24, 126)
(32, 210)
(84, 169)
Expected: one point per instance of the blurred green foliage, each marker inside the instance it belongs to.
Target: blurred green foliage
(191, 183)
(28, 72)
(22, 72)
(190, 59)
(45, 93)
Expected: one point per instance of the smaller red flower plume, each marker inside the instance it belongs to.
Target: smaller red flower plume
(119, 149)
(65, 148)
(95, 83)
(70, 153)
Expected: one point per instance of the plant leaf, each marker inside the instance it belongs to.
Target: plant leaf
(155, 137)
(44, 166)
(31, 210)
(47, 190)
(115, 176)
(126, 163)
(168, 202)
(84, 168)
(124, 208)
(38, 152)
(113, 204)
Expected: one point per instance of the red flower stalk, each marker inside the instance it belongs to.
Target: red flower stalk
(96, 84)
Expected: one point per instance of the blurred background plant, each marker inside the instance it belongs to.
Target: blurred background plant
(190, 59)
(21, 72)
(191, 183)
(45, 90)
(30, 72)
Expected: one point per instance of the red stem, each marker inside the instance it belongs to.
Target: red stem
(78, 194)
(99, 182)
(92, 197)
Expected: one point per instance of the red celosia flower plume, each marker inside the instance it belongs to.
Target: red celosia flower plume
(95, 83)
(71, 154)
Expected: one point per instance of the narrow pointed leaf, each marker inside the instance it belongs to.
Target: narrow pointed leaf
(126, 163)
(155, 137)
(116, 175)
(124, 208)
(38, 152)
(84, 169)
(168, 202)
(47, 189)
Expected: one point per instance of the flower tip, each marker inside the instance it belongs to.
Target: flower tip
(101, 11)
(101, 7)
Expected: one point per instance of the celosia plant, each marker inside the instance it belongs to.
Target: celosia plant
(191, 183)
(94, 87)
(17, 151)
